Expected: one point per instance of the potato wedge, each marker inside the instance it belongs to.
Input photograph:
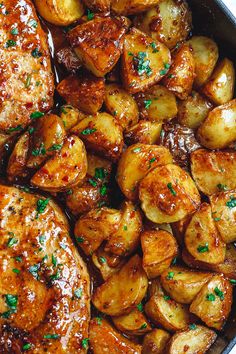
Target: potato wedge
(196, 340)
(169, 22)
(219, 129)
(67, 58)
(98, 43)
(168, 194)
(65, 169)
(157, 104)
(144, 62)
(155, 342)
(103, 338)
(155, 288)
(130, 7)
(202, 238)
(70, 116)
(213, 171)
(121, 105)
(179, 228)
(98, 5)
(213, 302)
(220, 87)
(185, 283)
(205, 53)
(182, 73)
(135, 323)
(123, 290)
(60, 13)
(193, 110)
(159, 248)
(136, 162)
(85, 93)
(16, 167)
(98, 167)
(143, 132)
(101, 134)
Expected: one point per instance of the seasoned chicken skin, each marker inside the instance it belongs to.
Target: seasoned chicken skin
(44, 284)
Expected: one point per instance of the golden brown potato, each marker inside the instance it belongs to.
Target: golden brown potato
(103, 338)
(193, 110)
(155, 342)
(169, 22)
(121, 105)
(168, 194)
(205, 53)
(181, 74)
(129, 7)
(98, 5)
(157, 104)
(185, 283)
(155, 288)
(70, 116)
(179, 228)
(159, 248)
(213, 171)
(202, 238)
(195, 339)
(219, 129)
(213, 302)
(136, 162)
(123, 290)
(223, 207)
(98, 43)
(220, 87)
(143, 132)
(135, 323)
(144, 62)
(65, 169)
(17, 162)
(60, 13)
(85, 93)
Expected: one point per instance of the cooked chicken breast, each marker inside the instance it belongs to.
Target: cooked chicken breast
(44, 284)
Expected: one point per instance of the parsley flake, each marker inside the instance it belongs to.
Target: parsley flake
(147, 103)
(210, 297)
(219, 293)
(170, 187)
(203, 248)
(88, 131)
(170, 275)
(231, 203)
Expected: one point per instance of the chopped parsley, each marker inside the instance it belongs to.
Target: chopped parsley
(80, 239)
(51, 336)
(55, 276)
(88, 131)
(231, 203)
(210, 297)
(33, 23)
(174, 261)
(170, 275)
(54, 260)
(222, 187)
(170, 187)
(92, 182)
(90, 15)
(147, 103)
(192, 326)
(136, 150)
(34, 271)
(11, 242)
(102, 259)
(10, 43)
(15, 270)
(99, 320)
(165, 70)
(154, 47)
(166, 297)
(142, 64)
(14, 31)
(84, 343)
(36, 115)
(42, 239)
(15, 129)
(28, 81)
(31, 130)
(125, 227)
(18, 259)
(103, 190)
(12, 302)
(69, 192)
(55, 147)
(203, 248)
(78, 293)
(41, 206)
(36, 53)
(233, 281)
(100, 173)
(219, 293)
(26, 346)
(140, 307)
(144, 325)
(40, 151)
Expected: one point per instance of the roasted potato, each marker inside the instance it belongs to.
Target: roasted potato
(213, 303)
(168, 194)
(157, 104)
(202, 238)
(135, 323)
(101, 134)
(179, 228)
(213, 171)
(85, 93)
(143, 132)
(68, 59)
(98, 5)
(169, 22)
(70, 116)
(155, 288)
(121, 105)
(159, 249)
(155, 342)
(124, 7)
(219, 129)
(65, 169)
(185, 283)
(17, 162)
(205, 53)
(195, 339)
(123, 290)
(136, 162)
(193, 110)
(220, 87)
(144, 62)
(60, 13)
(181, 74)
(98, 43)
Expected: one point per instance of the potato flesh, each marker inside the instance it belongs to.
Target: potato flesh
(17, 162)
(107, 263)
(135, 323)
(143, 132)
(155, 342)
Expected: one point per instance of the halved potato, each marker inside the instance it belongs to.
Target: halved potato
(135, 323)
(155, 342)
(121, 105)
(185, 283)
(70, 116)
(192, 340)
(213, 171)
(144, 62)
(193, 110)
(98, 5)
(159, 248)
(157, 104)
(136, 162)
(213, 303)
(123, 290)
(182, 73)
(155, 288)
(205, 53)
(168, 194)
(124, 7)
(17, 162)
(219, 129)
(179, 228)
(220, 87)
(103, 338)
(98, 43)
(98, 167)
(143, 132)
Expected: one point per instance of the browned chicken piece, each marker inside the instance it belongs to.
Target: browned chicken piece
(26, 79)
(44, 284)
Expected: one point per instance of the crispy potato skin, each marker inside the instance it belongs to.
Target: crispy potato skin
(130, 7)
(144, 132)
(135, 323)
(98, 5)
(17, 162)
(155, 342)
(111, 265)
(67, 57)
